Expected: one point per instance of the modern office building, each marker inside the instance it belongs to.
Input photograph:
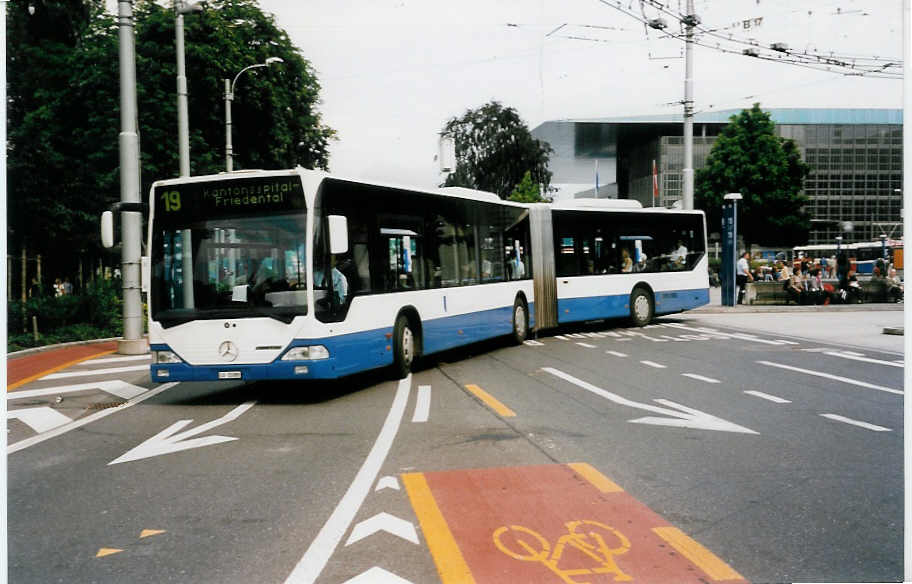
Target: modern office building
(855, 157)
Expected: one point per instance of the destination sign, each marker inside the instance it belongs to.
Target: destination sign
(230, 197)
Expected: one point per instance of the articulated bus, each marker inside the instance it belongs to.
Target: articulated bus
(301, 275)
(862, 255)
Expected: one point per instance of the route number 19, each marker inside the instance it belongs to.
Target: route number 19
(172, 200)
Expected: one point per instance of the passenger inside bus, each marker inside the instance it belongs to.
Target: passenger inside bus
(626, 261)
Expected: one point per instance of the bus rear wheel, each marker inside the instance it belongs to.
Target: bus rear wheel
(642, 308)
(520, 321)
(404, 344)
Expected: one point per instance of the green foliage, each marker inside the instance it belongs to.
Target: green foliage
(495, 149)
(526, 191)
(95, 314)
(767, 170)
(64, 121)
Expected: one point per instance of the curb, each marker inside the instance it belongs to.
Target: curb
(767, 308)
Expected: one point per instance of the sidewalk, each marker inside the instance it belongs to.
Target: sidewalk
(715, 307)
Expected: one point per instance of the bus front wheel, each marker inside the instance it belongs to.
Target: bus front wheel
(642, 308)
(520, 321)
(403, 346)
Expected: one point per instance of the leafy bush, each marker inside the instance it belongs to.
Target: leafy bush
(95, 314)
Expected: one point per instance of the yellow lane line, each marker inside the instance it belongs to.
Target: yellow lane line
(598, 480)
(704, 559)
(21, 382)
(491, 401)
(450, 564)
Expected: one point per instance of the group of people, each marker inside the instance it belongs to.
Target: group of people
(803, 282)
(61, 288)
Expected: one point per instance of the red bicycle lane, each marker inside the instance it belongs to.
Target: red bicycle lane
(553, 523)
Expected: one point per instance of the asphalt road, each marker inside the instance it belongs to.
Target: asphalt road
(703, 448)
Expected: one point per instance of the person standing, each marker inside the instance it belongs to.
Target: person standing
(743, 275)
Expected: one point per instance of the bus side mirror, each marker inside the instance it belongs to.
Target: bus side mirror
(338, 234)
(107, 229)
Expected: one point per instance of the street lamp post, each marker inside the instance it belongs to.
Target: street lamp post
(229, 97)
(183, 118)
(183, 137)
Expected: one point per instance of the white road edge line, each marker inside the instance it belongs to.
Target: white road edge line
(768, 397)
(85, 373)
(833, 377)
(422, 404)
(87, 420)
(859, 357)
(865, 425)
(117, 360)
(322, 547)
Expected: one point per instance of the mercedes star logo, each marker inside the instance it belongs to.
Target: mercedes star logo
(228, 351)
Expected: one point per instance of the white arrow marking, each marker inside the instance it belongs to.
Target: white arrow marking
(685, 418)
(377, 576)
(383, 522)
(171, 440)
(39, 419)
(387, 482)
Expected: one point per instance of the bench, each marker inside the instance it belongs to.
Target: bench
(765, 293)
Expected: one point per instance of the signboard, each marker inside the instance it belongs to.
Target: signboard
(729, 252)
(186, 203)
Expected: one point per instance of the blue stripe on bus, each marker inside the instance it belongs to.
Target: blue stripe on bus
(617, 305)
(353, 352)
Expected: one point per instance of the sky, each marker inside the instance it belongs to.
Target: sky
(394, 71)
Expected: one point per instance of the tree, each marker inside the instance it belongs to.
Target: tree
(495, 149)
(767, 170)
(526, 191)
(63, 125)
(64, 119)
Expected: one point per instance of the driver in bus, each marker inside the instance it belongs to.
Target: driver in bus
(339, 282)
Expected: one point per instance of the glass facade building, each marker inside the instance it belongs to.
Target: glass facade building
(855, 156)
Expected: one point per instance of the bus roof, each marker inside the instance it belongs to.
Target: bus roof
(458, 192)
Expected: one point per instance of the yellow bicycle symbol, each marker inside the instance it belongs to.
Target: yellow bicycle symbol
(527, 545)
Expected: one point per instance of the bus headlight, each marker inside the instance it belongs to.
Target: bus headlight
(163, 357)
(310, 353)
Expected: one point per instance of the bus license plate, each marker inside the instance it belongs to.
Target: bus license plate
(229, 375)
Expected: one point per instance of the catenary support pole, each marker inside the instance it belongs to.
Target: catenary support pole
(132, 342)
(690, 21)
(907, 318)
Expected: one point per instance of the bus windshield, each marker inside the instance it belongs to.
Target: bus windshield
(229, 268)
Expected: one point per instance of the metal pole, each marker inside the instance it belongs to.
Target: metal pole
(690, 21)
(229, 154)
(183, 146)
(131, 221)
(183, 123)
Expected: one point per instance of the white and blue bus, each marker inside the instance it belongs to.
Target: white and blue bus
(301, 275)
